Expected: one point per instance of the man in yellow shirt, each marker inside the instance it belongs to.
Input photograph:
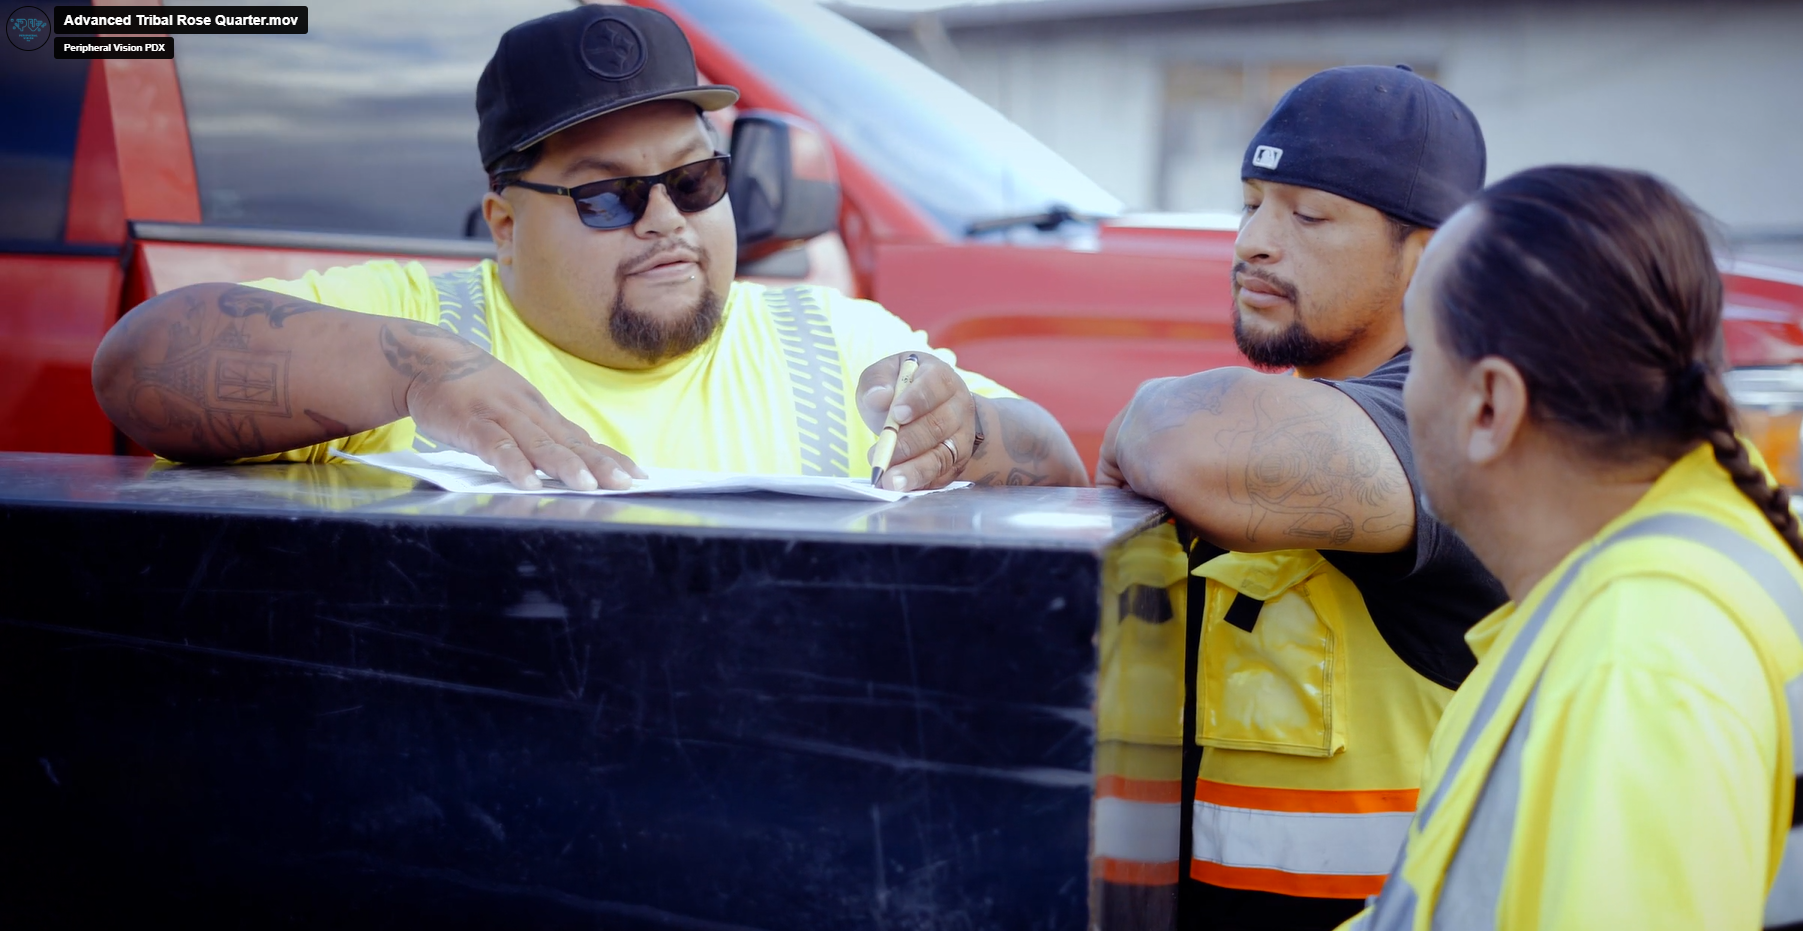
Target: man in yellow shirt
(608, 330)
(1624, 755)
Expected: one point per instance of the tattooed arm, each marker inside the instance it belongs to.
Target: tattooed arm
(1262, 462)
(1033, 448)
(1022, 444)
(213, 372)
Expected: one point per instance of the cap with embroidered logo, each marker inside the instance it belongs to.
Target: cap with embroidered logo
(550, 73)
(1385, 137)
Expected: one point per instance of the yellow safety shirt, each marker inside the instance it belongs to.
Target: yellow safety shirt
(771, 392)
(1622, 757)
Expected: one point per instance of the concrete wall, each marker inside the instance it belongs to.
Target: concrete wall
(1158, 108)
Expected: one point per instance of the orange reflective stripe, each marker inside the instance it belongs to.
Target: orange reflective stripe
(1315, 801)
(1166, 791)
(1320, 886)
(1134, 873)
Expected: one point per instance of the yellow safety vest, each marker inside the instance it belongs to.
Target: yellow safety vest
(1454, 869)
(1314, 731)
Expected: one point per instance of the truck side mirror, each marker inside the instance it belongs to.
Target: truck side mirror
(783, 185)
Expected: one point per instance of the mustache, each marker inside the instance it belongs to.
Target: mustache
(652, 255)
(1283, 287)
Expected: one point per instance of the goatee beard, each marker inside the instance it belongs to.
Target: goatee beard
(654, 340)
(1294, 347)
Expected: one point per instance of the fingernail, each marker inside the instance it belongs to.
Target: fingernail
(903, 413)
(898, 483)
(621, 476)
(532, 483)
(585, 480)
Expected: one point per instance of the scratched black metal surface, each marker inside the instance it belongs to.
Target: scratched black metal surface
(306, 697)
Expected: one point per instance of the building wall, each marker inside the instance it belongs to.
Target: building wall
(1158, 109)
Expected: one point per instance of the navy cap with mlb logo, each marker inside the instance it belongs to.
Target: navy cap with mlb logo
(1385, 137)
(553, 72)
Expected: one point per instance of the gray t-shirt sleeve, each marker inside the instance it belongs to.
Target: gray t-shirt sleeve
(1424, 597)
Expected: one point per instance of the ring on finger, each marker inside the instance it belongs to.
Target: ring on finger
(951, 448)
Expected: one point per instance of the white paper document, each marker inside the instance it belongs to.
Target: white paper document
(459, 471)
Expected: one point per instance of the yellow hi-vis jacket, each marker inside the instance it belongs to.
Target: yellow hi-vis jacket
(1313, 730)
(1623, 755)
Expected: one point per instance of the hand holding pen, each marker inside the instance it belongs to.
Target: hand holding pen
(925, 419)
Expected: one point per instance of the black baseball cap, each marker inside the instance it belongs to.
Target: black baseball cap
(1385, 137)
(553, 72)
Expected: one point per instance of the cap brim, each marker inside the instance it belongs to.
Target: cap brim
(708, 97)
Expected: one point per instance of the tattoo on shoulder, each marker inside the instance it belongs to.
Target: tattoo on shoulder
(242, 302)
(1308, 471)
(417, 349)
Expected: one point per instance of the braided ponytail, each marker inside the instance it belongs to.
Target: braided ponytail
(1715, 415)
(1600, 287)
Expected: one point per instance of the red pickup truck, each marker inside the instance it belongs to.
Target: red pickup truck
(251, 156)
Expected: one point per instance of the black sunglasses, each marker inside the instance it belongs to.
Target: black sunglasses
(619, 202)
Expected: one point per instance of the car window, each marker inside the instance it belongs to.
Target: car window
(365, 124)
(43, 112)
(950, 153)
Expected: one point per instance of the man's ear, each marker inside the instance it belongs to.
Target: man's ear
(1496, 409)
(499, 214)
(1411, 248)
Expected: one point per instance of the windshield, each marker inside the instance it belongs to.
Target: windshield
(365, 124)
(954, 156)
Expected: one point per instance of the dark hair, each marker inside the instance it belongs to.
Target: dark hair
(1600, 287)
(509, 167)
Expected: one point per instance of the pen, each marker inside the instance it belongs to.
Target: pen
(885, 440)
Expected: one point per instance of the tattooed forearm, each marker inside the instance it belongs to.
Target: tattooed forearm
(219, 371)
(418, 350)
(1258, 462)
(1015, 476)
(1024, 445)
(213, 392)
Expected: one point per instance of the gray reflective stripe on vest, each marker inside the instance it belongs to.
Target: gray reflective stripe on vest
(1473, 884)
(463, 310)
(817, 380)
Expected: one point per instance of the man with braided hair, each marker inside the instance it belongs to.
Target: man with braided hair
(1623, 755)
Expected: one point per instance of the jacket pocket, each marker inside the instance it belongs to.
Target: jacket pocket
(1271, 675)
